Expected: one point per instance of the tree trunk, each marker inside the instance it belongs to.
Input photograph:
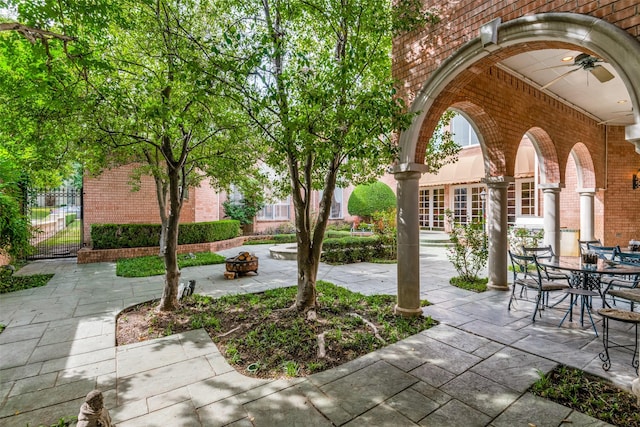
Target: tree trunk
(310, 238)
(169, 300)
(307, 273)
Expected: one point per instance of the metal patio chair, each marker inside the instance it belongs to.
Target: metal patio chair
(534, 279)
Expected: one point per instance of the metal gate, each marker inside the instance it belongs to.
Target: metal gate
(56, 218)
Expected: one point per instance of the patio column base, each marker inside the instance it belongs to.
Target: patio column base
(497, 287)
(407, 312)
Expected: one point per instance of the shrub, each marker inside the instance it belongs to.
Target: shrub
(368, 199)
(113, 236)
(469, 251)
(15, 228)
(348, 250)
(244, 210)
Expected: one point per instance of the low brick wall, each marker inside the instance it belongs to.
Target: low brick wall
(87, 256)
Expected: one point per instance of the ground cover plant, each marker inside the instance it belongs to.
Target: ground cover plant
(261, 336)
(154, 265)
(590, 395)
(17, 283)
(479, 284)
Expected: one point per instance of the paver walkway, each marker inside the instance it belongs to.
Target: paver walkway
(472, 369)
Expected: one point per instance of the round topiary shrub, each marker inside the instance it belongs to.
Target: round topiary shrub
(367, 199)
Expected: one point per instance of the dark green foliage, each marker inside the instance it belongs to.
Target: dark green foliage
(112, 236)
(368, 199)
(348, 250)
(333, 234)
(244, 210)
(202, 232)
(15, 228)
(16, 283)
(589, 394)
(284, 238)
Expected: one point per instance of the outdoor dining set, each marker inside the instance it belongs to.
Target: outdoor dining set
(603, 279)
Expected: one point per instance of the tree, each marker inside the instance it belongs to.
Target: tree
(315, 77)
(146, 98)
(154, 104)
(367, 199)
(38, 126)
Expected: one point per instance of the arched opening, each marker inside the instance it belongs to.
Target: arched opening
(509, 106)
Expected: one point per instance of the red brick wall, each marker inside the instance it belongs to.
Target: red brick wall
(206, 201)
(109, 199)
(620, 204)
(419, 53)
(570, 199)
(504, 108)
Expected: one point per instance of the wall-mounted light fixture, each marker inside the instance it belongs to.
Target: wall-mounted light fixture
(636, 180)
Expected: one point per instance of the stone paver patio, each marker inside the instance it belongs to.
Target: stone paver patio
(472, 369)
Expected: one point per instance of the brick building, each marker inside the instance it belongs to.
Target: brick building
(110, 199)
(499, 65)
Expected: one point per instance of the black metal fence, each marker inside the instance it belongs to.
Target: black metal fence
(56, 217)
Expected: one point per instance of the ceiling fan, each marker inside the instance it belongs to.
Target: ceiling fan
(584, 62)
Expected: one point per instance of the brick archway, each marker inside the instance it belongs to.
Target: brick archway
(470, 74)
(547, 155)
(498, 41)
(584, 165)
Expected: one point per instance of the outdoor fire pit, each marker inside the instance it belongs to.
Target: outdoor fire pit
(240, 265)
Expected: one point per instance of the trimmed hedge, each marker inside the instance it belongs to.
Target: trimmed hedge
(367, 199)
(348, 250)
(115, 236)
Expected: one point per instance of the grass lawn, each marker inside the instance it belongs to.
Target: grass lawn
(261, 337)
(39, 213)
(154, 265)
(68, 235)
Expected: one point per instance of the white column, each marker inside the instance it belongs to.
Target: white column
(408, 188)
(551, 216)
(497, 231)
(586, 213)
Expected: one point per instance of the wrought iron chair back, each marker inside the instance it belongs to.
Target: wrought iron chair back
(604, 252)
(529, 274)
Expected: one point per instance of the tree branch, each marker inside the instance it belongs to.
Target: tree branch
(34, 34)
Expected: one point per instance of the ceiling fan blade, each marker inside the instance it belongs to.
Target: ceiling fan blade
(601, 73)
(557, 79)
(555, 66)
(617, 117)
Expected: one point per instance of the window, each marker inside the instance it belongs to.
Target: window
(468, 205)
(234, 196)
(424, 213)
(460, 205)
(527, 198)
(477, 204)
(336, 205)
(275, 211)
(463, 133)
(511, 204)
(437, 197)
(431, 208)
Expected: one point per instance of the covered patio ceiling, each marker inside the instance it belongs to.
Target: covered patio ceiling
(578, 86)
